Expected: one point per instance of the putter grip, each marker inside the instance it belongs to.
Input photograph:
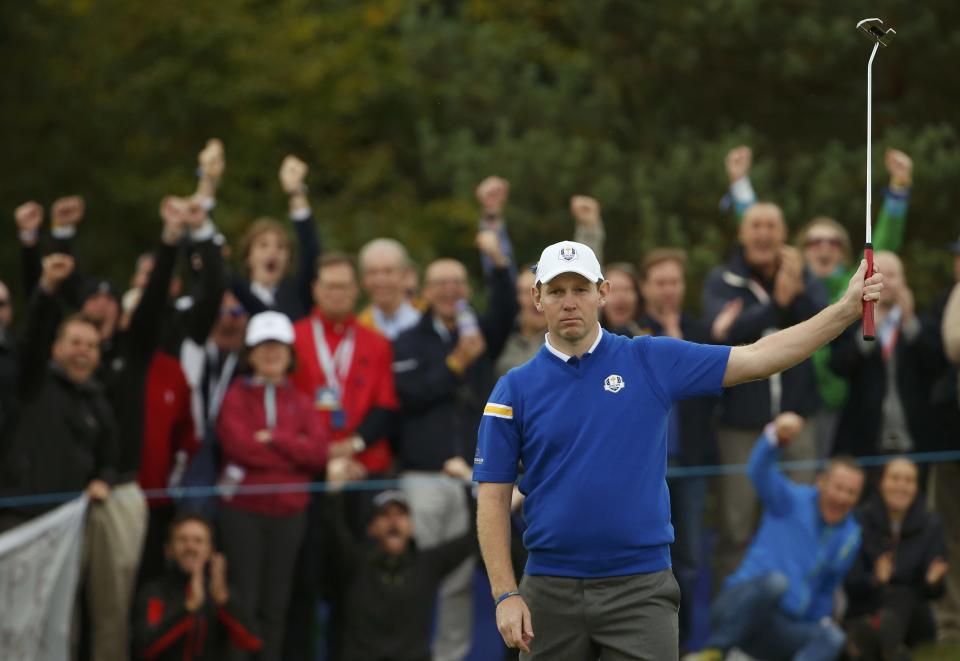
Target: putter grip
(869, 327)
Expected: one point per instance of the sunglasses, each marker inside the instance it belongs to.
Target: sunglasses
(822, 241)
(235, 311)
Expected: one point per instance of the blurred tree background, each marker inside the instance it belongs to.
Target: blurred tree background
(402, 106)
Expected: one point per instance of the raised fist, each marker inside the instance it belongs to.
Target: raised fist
(492, 194)
(28, 216)
(292, 173)
(67, 211)
(488, 242)
(787, 425)
(900, 167)
(585, 210)
(738, 162)
(57, 267)
(211, 160)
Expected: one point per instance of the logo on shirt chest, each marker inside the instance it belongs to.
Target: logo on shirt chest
(614, 383)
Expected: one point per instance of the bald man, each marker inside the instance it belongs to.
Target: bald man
(763, 288)
(386, 272)
(892, 378)
(443, 368)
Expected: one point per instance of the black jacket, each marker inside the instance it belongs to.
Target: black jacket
(698, 441)
(920, 542)
(919, 362)
(294, 295)
(8, 385)
(388, 601)
(64, 434)
(440, 411)
(164, 629)
(752, 405)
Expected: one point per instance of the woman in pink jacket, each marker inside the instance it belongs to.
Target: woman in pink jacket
(269, 434)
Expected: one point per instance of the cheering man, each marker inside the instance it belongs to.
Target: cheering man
(587, 417)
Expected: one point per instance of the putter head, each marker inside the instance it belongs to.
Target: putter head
(874, 28)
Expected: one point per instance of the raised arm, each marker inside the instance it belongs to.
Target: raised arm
(497, 320)
(790, 346)
(589, 230)
(892, 219)
(293, 171)
(29, 217)
(198, 320)
(737, 164)
(145, 324)
(772, 486)
(492, 194)
(44, 314)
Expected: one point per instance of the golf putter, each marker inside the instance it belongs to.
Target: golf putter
(880, 35)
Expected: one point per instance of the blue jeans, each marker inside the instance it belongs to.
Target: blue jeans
(747, 615)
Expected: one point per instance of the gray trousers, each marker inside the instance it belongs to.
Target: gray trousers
(622, 618)
(440, 513)
(739, 505)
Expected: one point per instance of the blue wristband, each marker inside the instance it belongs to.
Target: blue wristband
(505, 596)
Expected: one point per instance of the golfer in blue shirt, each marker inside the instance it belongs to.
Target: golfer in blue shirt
(587, 419)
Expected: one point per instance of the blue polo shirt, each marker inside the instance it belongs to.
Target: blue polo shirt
(592, 436)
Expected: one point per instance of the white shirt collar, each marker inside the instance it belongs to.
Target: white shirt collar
(564, 357)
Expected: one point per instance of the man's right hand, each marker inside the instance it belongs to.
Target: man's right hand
(197, 592)
(515, 623)
(57, 267)
(29, 217)
(738, 162)
(788, 282)
(468, 349)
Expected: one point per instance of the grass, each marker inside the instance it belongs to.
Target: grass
(941, 652)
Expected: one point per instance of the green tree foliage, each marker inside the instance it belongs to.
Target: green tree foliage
(402, 106)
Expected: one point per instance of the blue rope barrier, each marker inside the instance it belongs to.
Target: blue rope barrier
(674, 472)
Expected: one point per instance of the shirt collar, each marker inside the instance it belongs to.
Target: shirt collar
(564, 357)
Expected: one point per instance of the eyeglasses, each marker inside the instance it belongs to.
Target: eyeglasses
(235, 311)
(4, 302)
(821, 241)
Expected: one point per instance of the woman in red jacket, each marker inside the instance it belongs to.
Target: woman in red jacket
(269, 434)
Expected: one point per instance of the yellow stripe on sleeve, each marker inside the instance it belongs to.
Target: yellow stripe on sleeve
(498, 410)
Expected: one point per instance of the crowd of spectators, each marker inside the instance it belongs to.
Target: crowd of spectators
(267, 378)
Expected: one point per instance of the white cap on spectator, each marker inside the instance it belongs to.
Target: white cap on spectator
(568, 257)
(268, 326)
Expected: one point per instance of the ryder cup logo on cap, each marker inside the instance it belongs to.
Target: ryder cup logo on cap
(614, 383)
(268, 326)
(568, 257)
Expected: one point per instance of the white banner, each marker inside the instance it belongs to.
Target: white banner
(39, 565)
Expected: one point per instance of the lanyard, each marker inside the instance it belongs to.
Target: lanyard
(270, 404)
(335, 367)
(218, 380)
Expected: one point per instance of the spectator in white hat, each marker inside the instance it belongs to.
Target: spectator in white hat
(270, 434)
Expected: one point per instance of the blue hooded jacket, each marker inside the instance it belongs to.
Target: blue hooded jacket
(795, 541)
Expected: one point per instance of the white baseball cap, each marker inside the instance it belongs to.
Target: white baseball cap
(568, 257)
(268, 326)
